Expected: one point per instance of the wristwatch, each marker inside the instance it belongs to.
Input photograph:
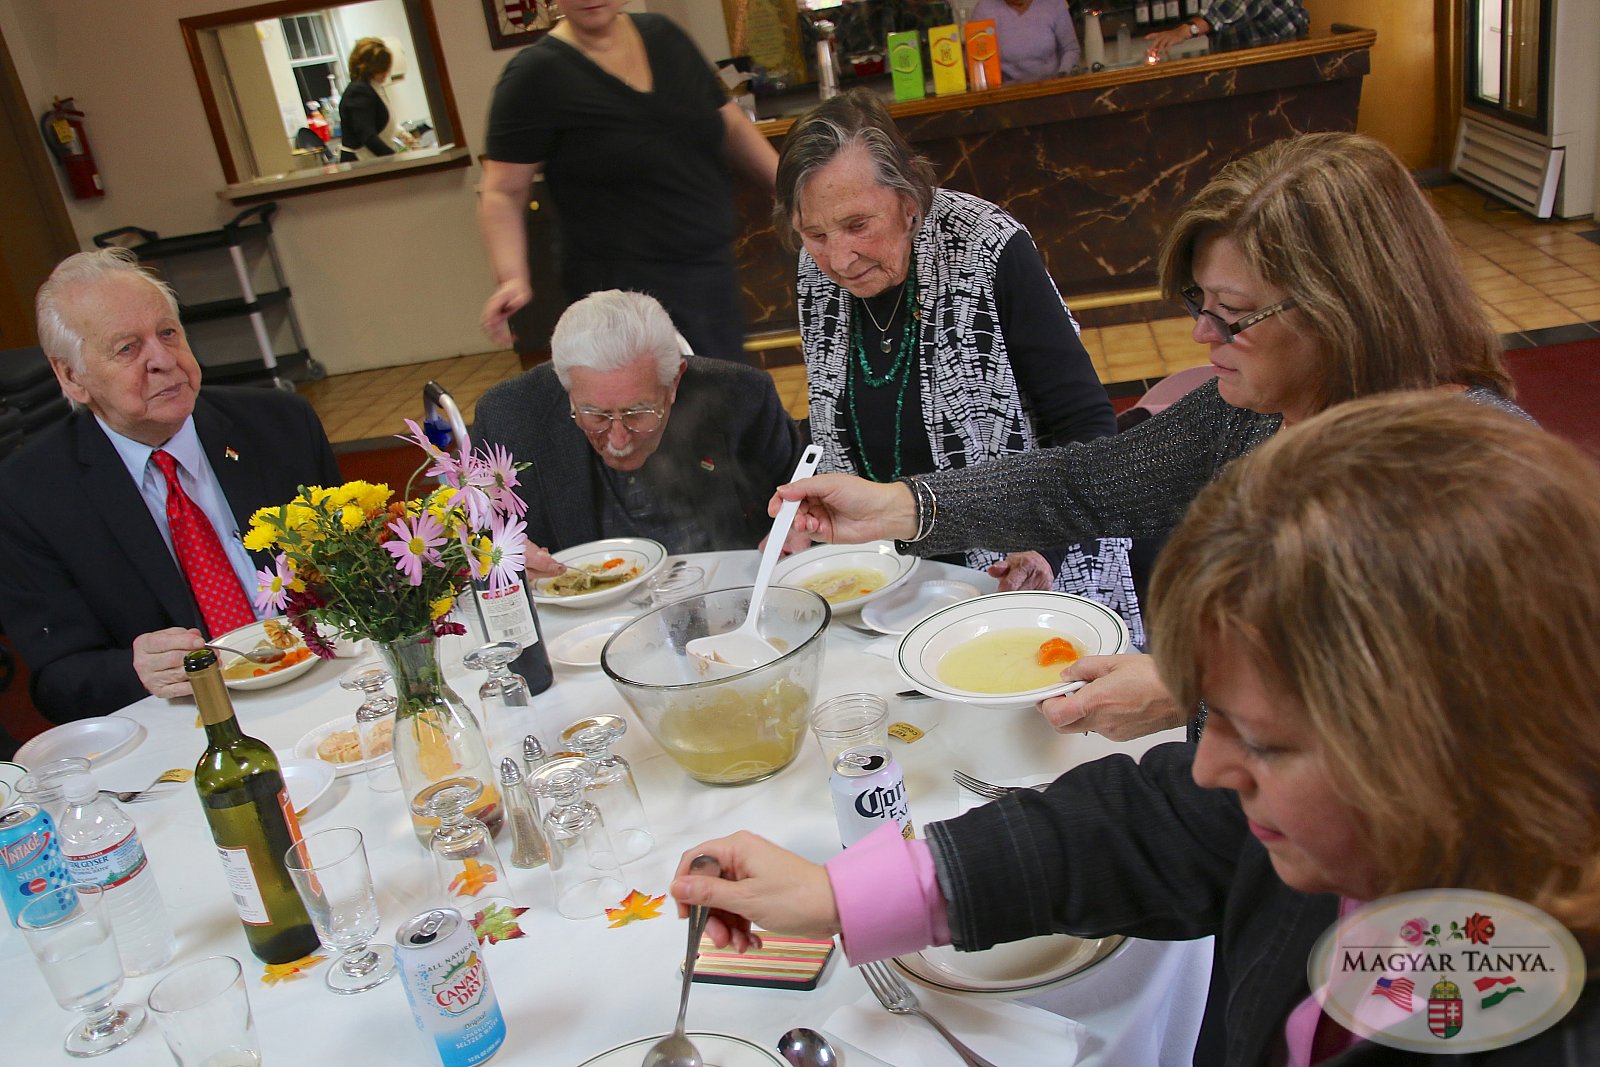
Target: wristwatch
(1194, 28)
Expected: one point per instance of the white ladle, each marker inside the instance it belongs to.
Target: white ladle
(745, 648)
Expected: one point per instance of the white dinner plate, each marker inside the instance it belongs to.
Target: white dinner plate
(640, 553)
(306, 747)
(248, 637)
(306, 780)
(1019, 968)
(913, 602)
(581, 645)
(1095, 629)
(718, 1050)
(96, 740)
(823, 561)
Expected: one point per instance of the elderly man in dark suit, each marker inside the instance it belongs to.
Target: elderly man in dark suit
(624, 436)
(119, 527)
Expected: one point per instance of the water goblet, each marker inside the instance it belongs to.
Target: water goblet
(470, 873)
(582, 858)
(613, 790)
(69, 932)
(374, 725)
(503, 691)
(331, 874)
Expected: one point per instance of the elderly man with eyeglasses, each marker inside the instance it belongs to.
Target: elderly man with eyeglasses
(625, 436)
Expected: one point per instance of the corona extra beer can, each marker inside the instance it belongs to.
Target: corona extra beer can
(868, 790)
(30, 857)
(447, 983)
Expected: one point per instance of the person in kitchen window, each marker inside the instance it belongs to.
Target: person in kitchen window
(1390, 610)
(1237, 24)
(933, 336)
(364, 121)
(1036, 37)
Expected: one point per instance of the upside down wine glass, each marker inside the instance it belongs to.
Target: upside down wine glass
(470, 873)
(613, 790)
(582, 858)
(502, 693)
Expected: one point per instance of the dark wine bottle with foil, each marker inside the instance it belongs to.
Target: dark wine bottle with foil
(508, 614)
(251, 819)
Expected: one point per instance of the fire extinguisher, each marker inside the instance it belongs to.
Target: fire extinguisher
(63, 132)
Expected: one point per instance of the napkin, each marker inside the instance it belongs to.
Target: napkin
(1001, 1031)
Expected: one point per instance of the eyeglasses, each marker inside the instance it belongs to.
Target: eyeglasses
(1194, 300)
(634, 420)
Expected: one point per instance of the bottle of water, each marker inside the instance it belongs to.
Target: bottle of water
(101, 846)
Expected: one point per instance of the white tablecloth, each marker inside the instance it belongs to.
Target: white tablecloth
(570, 990)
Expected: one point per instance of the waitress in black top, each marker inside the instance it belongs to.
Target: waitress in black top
(635, 138)
(363, 114)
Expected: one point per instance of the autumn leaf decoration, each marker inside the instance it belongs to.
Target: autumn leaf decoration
(496, 923)
(635, 907)
(473, 878)
(284, 972)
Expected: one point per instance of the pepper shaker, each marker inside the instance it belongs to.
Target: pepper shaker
(528, 846)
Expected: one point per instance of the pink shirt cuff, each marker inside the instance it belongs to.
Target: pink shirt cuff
(888, 897)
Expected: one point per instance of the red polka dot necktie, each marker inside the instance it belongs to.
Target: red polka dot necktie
(212, 578)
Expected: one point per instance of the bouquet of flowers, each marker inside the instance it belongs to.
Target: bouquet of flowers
(360, 563)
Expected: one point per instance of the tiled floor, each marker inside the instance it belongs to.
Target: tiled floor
(1541, 281)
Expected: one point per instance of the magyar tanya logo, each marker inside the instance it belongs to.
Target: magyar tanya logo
(1446, 970)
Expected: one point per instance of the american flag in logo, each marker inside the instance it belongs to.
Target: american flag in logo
(1398, 990)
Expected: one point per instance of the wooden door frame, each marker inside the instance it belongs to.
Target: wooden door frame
(24, 266)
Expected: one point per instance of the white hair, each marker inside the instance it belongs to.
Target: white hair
(613, 329)
(58, 339)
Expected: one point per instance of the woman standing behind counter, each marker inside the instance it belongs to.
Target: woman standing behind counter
(1037, 38)
(363, 113)
(635, 137)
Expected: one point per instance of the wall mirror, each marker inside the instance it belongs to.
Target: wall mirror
(271, 78)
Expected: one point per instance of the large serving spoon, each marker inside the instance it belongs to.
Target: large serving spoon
(676, 1050)
(804, 1047)
(744, 648)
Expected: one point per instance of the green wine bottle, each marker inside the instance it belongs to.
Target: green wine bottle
(251, 821)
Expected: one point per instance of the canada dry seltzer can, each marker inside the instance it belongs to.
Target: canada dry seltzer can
(30, 857)
(868, 790)
(447, 984)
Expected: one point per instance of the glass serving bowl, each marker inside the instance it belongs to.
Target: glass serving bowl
(728, 730)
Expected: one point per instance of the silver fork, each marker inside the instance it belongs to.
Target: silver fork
(895, 995)
(987, 790)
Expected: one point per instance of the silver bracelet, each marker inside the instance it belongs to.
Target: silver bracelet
(927, 507)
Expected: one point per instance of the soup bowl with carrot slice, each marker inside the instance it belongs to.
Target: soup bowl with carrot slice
(1007, 649)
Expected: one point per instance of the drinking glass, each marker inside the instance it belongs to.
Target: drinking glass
(330, 872)
(613, 790)
(503, 692)
(69, 932)
(374, 725)
(42, 785)
(470, 873)
(843, 722)
(204, 1013)
(582, 859)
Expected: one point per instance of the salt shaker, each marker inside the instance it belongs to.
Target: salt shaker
(532, 754)
(528, 846)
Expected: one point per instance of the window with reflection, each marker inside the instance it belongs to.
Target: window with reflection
(273, 77)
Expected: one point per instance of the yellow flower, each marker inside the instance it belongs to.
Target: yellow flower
(441, 607)
(261, 536)
(351, 516)
(482, 556)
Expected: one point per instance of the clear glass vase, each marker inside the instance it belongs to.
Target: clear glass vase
(435, 734)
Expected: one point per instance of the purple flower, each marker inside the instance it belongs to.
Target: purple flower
(272, 584)
(507, 545)
(1412, 931)
(416, 542)
(501, 472)
(446, 469)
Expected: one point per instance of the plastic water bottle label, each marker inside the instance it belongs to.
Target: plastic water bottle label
(109, 867)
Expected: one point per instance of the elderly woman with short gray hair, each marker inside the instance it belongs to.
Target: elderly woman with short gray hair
(934, 338)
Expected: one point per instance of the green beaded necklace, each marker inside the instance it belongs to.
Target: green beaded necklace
(898, 374)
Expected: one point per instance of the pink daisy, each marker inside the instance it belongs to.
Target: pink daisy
(415, 543)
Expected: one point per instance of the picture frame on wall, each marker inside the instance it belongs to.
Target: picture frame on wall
(515, 23)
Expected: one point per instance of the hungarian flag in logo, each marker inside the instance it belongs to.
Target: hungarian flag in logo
(1444, 1009)
(1485, 984)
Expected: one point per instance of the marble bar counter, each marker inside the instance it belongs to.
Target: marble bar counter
(1095, 165)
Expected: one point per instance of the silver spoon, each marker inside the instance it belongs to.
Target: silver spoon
(262, 653)
(676, 1050)
(804, 1047)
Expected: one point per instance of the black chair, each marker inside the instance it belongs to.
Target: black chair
(305, 140)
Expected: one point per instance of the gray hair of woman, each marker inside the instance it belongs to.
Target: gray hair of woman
(58, 339)
(855, 118)
(613, 329)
